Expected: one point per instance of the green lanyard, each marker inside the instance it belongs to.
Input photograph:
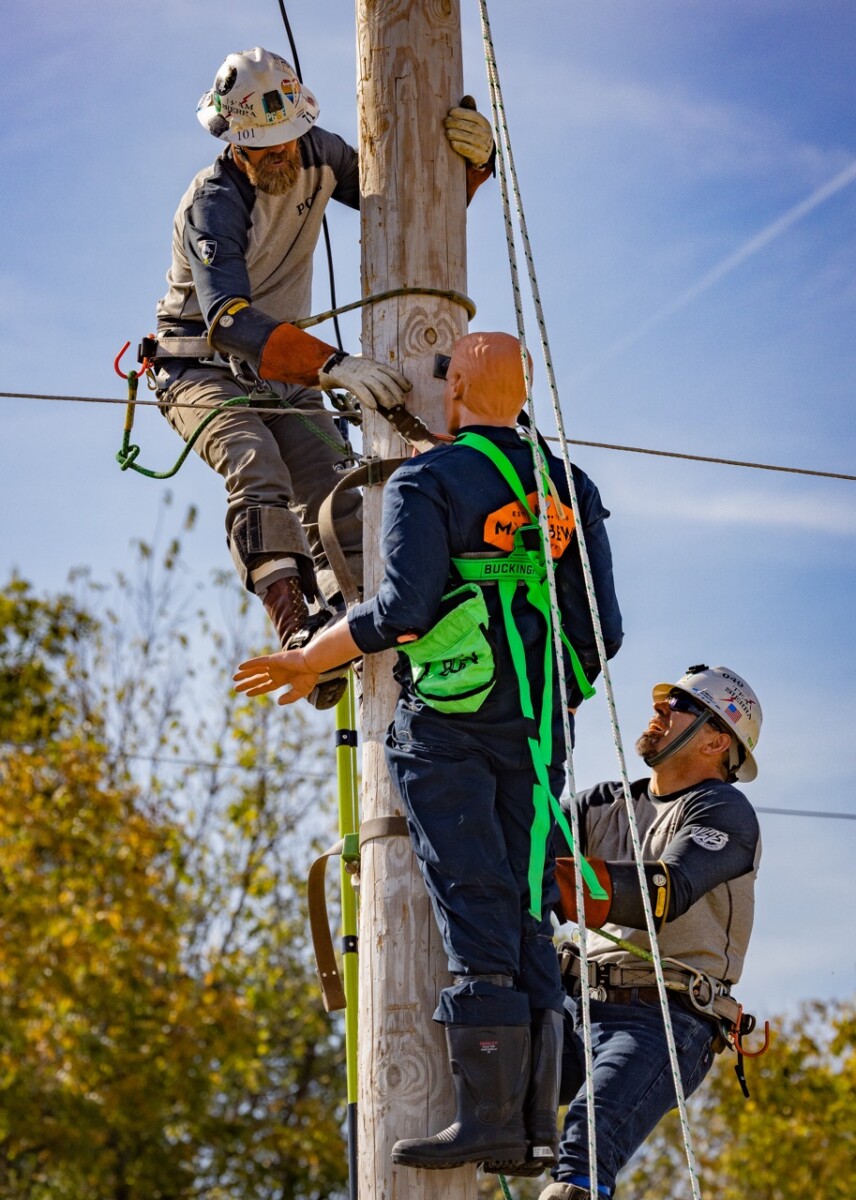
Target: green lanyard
(541, 748)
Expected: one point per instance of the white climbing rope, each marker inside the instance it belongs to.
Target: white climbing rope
(505, 163)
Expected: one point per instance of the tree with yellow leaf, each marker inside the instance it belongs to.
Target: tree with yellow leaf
(161, 1035)
(796, 1135)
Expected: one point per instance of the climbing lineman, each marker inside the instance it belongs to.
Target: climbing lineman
(243, 240)
(700, 852)
(476, 746)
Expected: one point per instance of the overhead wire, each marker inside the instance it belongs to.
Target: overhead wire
(701, 458)
(226, 765)
(327, 243)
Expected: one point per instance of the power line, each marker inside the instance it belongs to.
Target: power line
(727, 462)
(202, 407)
(807, 812)
(303, 775)
(220, 765)
(168, 761)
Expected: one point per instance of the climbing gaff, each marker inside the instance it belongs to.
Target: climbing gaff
(346, 772)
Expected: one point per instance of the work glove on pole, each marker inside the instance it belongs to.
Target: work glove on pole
(372, 383)
(290, 355)
(470, 135)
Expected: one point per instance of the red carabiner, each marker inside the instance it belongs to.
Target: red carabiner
(145, 365)
(738, 1045)
(118, 359)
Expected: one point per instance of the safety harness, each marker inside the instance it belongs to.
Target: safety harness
(706, 996)
(259, 394)
(453, 667)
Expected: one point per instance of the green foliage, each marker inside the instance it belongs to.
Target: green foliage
(161, 1031)
(795, 1136)
(37, 645)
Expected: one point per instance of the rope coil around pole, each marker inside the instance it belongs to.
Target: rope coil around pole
(444, 294)
(128, 453)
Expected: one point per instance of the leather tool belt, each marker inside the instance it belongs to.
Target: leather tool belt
(623, 985)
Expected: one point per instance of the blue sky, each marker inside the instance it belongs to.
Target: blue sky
(687, 171)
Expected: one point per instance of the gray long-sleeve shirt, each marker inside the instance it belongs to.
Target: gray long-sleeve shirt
(230, 240)
(708, 837)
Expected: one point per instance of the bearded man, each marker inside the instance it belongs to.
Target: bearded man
(244, 237)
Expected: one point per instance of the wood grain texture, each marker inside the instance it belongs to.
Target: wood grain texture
(414, 234)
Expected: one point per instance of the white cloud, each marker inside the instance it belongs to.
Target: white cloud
(711, 137)
(833, 514)
(775, 229)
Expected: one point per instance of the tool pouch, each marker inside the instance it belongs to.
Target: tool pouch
(453, 664)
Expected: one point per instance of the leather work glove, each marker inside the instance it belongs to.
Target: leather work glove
(372, 383)
(597, 911)
(470, 135)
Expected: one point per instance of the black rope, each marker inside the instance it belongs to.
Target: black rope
(324, 226)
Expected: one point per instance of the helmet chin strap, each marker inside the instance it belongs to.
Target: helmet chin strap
(654, 760)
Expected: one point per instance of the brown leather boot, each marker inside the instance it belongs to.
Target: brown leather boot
(286, 607)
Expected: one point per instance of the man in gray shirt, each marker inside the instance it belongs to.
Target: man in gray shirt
(700, 850)
(244, 236)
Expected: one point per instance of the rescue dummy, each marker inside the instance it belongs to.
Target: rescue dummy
(476, 746)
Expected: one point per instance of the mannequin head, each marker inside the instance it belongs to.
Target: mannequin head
(484, 381)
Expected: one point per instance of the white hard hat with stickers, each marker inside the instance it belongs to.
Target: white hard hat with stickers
(729, 698)
(257, 101)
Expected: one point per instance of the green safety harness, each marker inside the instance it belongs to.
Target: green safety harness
(454, 668)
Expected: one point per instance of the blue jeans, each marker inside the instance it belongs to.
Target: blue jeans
(632, 1081)
(467, 792)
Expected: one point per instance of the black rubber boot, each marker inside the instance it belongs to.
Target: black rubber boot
(542, 1100)
(490, 1070)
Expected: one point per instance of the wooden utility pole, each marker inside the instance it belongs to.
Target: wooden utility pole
(413, 235)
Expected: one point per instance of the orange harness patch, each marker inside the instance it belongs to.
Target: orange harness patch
(501, 525)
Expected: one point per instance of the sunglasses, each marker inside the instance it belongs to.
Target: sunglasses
(681, 702)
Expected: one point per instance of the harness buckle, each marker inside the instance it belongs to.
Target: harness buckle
(599, 986)
(147, 349)
(702, 993)
(246, 377)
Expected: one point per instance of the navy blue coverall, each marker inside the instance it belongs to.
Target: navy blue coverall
(466, 780)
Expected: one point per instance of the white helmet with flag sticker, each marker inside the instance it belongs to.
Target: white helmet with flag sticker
(730, 699)
(257, 101)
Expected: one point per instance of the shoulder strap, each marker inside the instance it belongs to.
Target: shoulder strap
(476, 442)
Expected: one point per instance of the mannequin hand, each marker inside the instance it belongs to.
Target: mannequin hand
(258, 676)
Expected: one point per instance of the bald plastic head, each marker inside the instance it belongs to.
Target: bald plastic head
(485, 380)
